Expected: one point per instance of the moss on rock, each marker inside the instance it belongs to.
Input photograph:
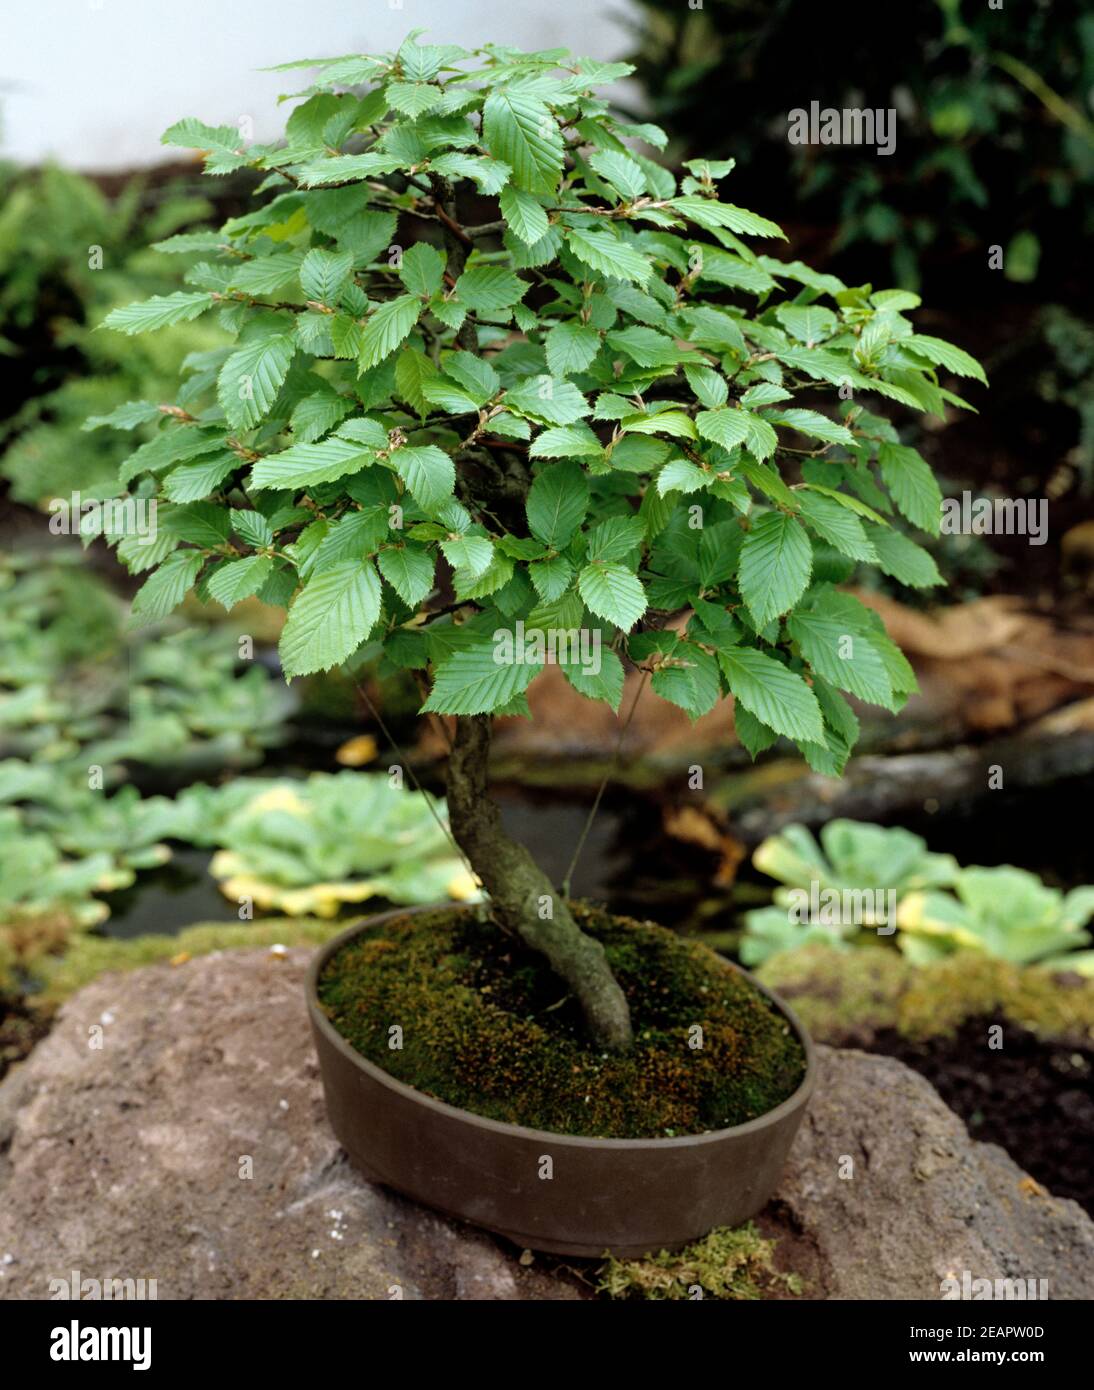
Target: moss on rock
(731, 1265)
(846, 997)
(488, 1027)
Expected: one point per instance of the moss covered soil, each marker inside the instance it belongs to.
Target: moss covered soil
(486, 1026)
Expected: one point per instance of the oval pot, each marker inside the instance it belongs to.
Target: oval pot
(626, 1196)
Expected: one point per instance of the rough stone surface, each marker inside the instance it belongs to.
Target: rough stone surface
(124, 1161)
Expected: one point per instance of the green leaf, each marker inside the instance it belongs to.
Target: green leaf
(160, 311)
(944, 354)
(613, 592)
(477, 678)
(167, 586)
(816, 425)
(520, 131)
(471, 554)
(912, 485)
(776, 562)
(557, 502)
(690, 679)
(566, 441)
(422, 270)
(725, 427)
(386, 328)
(905, 561)
(409, 570)
(313, 416)
(710, 214)
(838, 525)
(413, 372)
(777, 697)
(543, 398)
(488, 289)
(621, 171)
(843, 654)
(412, 98)
(678, 475)
(239, 579)
(190, 482)
(330, 618)
(124, 417)
(608, 255)
(525, 217)
(325, 274)
(428, 472)
(251, 378)
(551, 577)
(304, 465)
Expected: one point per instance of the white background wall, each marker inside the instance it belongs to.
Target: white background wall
(94, 83)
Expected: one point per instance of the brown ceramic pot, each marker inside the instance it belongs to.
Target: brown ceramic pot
(627, 1196)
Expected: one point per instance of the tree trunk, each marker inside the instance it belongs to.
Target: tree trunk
(523, 896)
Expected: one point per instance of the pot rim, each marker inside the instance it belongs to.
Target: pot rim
(797, 1099)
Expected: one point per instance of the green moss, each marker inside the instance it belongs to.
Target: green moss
(847, 996)
(488, 1027)
(727, 1264)
(88, 956)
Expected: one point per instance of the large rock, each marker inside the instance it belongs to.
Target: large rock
(129, 1160)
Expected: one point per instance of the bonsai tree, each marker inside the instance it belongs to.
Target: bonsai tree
(504, 390)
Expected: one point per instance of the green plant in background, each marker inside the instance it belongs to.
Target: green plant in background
(588, 413)
(79, 688)
(68, 254)
(995, 141)
(44, 896)
(1004, 912)
(309, 847)
(851, 856)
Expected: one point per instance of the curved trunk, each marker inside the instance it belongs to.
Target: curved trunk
(522, 894)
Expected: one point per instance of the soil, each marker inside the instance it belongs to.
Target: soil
(1033, 1098)
(486, 1026)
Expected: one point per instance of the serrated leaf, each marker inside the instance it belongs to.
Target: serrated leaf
(944, 354)
(409, 570)
(190, 482)
(813, 423)
(239, 579)
(912, 485)
(488, 289)
(325, 274)
(557, 502)
(777, 697)
(525, 217)
(385, 328)
(725, 427)
(905, 561)
(428, 472)
(422, 270)
(318, 413)
(613, 592)
(543, 398)
(551, 577)
(776, 562)
(519, 130)
(330, 618)
(608, 255)
(412, 98)
(476, 679)
(842, 654)
(160, 311)
(413, 371)
(705, 212)
(621, 171)
(838, 525)
(566, 441)
(304, 465)
(167, 586)
(251, 378)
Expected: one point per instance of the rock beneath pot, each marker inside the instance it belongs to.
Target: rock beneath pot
(172, 1128)
(885, 1196)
